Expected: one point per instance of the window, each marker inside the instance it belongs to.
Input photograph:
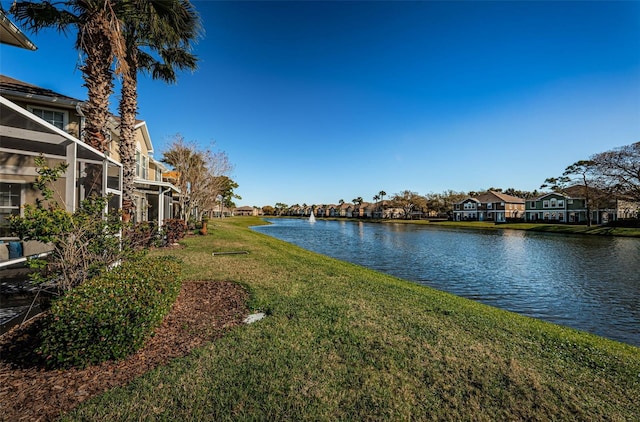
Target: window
(570, 201)
(55, 117)
(532, 204)
(138, 163)
(545, 204)
(561, 203)
(142, 163)
(553, 203)
(145, 167)
(9, 202)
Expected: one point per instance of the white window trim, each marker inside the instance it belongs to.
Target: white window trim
(65, 115)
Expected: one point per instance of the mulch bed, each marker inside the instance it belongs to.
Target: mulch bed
(28, 392)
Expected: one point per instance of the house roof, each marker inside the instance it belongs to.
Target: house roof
(11, 35)
(493, 196)
(550, 194)
(15, 87)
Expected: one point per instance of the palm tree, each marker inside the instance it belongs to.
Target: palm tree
(167, 29)
(382, 194)
(376, 198)
(100, 42)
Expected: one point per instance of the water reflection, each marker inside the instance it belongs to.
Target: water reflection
(586, 282)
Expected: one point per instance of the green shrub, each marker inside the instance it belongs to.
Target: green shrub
(84, 243)
(142, 235)
(110, 316)
(174, 230)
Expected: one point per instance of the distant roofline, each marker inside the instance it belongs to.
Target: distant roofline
(17, 88)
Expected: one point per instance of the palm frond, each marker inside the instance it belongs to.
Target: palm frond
(35, 16)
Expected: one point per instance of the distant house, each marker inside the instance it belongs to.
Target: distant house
(222, 212)
(346, 210)
(556, 207)
(570, 206)
(247, 211)
(332, 210)
(489, 206)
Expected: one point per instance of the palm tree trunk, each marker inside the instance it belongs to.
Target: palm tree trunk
(128, 111)
(98, 77)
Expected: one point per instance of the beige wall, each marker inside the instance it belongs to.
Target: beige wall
(73, 118)
(21, 169)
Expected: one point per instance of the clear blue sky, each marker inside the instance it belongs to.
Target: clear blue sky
(320, 101)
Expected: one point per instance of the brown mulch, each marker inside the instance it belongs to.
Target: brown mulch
(28, 392)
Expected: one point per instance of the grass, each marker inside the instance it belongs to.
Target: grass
(342, 342)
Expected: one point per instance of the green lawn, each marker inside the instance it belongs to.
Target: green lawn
(341, 342)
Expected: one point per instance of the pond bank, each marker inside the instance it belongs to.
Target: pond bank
(341, 342)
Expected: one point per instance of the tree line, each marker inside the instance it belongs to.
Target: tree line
(613, 174)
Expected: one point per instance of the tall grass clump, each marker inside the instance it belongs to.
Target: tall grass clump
(110, 316)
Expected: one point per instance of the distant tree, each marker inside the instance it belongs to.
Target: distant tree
(280, 208)
(435, 202)
(341, 201)
(408, 201)
(579, 173)
(268, 210)
(618, 170)
(443, 203)
(522, 193)
(223, 194)
(357, 201)
(382, 194)
(199, 175)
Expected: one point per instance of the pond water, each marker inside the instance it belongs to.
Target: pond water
(591, 283)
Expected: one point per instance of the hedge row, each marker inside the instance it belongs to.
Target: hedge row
(110, 316)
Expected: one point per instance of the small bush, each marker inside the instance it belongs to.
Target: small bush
(110, 316)
(174, 230)
(142, 235)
